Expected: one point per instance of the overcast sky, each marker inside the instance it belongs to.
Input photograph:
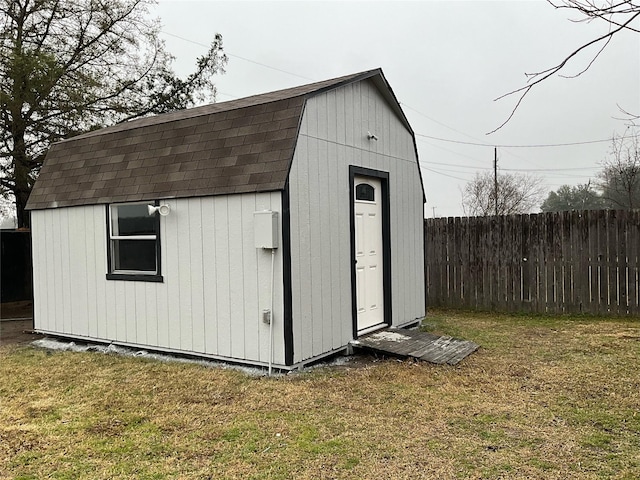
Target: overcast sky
(446, 61)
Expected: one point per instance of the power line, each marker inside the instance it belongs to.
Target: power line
(541, 145)
(443, 174)
(510, 169)
(239, 57)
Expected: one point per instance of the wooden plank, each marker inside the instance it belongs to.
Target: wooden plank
(465, 349)
(592, 257)
(456, 263)
(621, 263)
(515, 288)
(534, 260)
(633, 241)
(494, 257)
(526, 262)
(554, 303)
(581, 278)
(567, 258)
(612, 262)
(603, 272)
(450, 245)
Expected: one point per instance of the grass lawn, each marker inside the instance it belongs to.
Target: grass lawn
(545, 397)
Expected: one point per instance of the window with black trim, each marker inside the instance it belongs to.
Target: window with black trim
(134, 243)
(365, 192)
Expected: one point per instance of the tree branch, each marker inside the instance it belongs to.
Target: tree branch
(538, 77)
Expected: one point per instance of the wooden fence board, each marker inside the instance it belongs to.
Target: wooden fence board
(572, 262)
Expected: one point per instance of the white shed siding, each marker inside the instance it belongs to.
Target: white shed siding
(333, 136)
(210, 301)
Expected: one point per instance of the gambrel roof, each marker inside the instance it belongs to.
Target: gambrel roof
(240, 146)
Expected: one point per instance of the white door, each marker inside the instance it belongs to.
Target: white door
(368, 230)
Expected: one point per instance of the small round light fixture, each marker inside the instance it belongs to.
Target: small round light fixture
(161, 209)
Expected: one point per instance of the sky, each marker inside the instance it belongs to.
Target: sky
(447, 62)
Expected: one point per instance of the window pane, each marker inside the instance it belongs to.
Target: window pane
(137, 255)
(366, 192)
(132, 220)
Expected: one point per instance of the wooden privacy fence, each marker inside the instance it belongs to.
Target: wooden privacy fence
(568, 262)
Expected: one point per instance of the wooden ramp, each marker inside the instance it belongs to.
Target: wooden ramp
(420, 345)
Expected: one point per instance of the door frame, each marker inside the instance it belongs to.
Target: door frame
(355, 171)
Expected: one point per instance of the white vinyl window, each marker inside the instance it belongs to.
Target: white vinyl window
(134, 244)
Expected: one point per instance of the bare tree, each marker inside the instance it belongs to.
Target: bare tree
(516, 193)
(618, 15)
(620, 176)
(68, 66)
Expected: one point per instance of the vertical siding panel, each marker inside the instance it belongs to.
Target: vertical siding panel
(332, 274)
(54, 290)
(356, 140)
(323, 219)
(349, 109)
(343, 242)
(363, 124)
(236, 293)
(304, 320)
(331, 115)
(278, 295)
(172, 273)
(416, 260)
(209, 276)
(250, 278)
(273, 201)
(38, 248)
(323, 120)
(263, 290)
(196, 274)
(407, 251)
(54, 287)
(92, 275)
(151, 312)
(130, 311)
(109, 320)
(100, 268)
(183, 275)
(386, 129)
(311, 117)
(222, 275)
(120, 321)
(64, 286)
(315, 252)
(140, 304)
(77, 271)
(162, 291)
(340, 116)
(44, 311)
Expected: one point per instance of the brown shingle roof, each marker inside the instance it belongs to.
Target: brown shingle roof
(244, 145)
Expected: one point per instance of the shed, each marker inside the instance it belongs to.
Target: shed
(273, 229)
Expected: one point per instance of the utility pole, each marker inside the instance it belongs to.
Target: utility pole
(495, 177)
(434, 211)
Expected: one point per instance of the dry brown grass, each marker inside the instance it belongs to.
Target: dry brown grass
(543, 398)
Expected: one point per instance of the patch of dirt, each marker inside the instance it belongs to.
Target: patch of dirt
(14, 332)
(16, 320)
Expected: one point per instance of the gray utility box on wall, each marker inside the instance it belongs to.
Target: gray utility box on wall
(265, 228)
